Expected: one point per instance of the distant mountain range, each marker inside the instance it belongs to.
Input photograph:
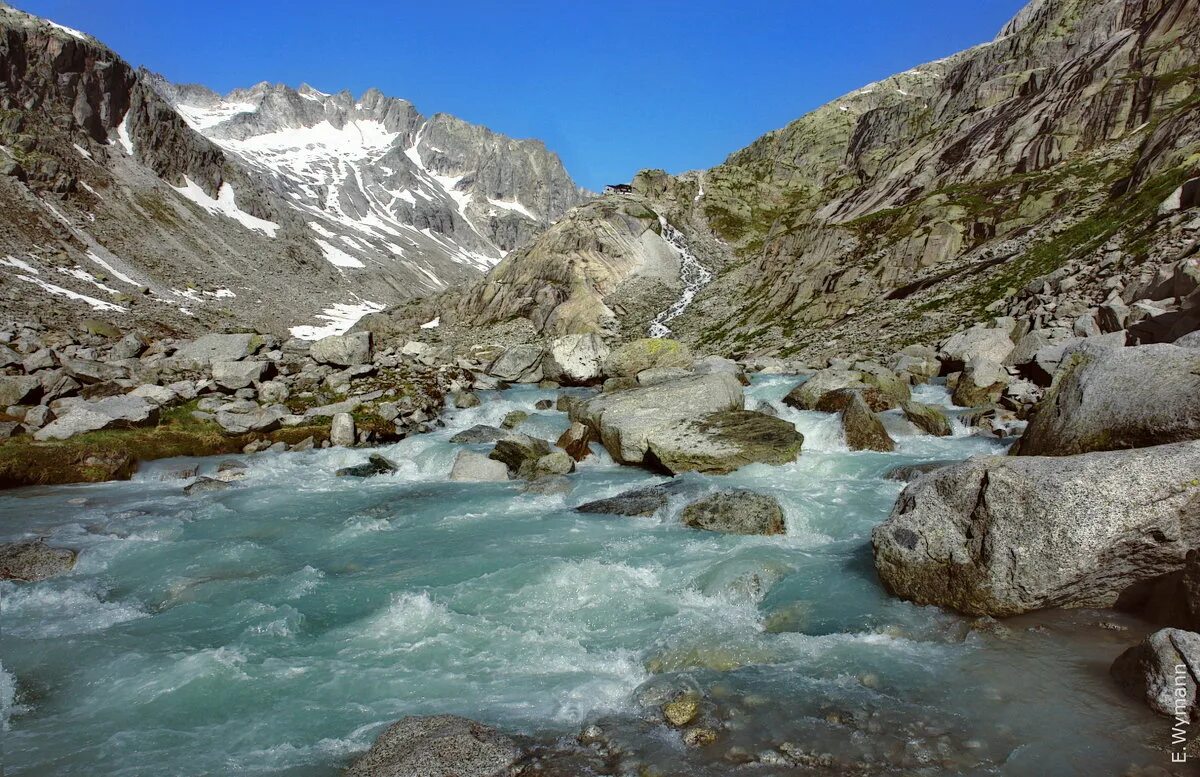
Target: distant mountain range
(125, 194)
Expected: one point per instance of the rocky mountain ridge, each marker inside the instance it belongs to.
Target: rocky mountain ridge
(905, 209)
(117, 206)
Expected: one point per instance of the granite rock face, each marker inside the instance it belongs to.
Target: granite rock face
(437, 746)
(1004, 535)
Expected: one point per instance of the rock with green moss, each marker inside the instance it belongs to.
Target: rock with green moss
(627, 360)
(723, 442)
(928, 418)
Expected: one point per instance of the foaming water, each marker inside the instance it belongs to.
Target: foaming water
(275, 627)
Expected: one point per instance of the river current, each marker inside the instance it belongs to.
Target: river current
(276, 627)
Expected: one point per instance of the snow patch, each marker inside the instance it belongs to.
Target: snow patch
(111, 270)
(338, 318)
(18, 264)
(336, 256)
(97, 304)
(515, 206)
(434, 324)
(68, 30)
(83, 152)
(123, 135)
(225, 205)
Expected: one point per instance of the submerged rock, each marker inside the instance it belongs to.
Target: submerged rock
(514, 418)
(33, 561)
(377, 464)
(1003, 535)
(437, 746)
(549, 485)
(479, 433)
(638, 502)
(1163, 671)
(906, 473)
(736, 512)
(204, 485)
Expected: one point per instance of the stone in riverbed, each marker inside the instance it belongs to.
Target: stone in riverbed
(554, 463)
(479, 433)
(33, 561)
(722, 442)
(638, 502)
(513, 419)
(520, 453)
(547, 485)
(1004, 535)
(376, 464)
(470, 466)
(465, 399)
(575, 441)
(1163, 671)
(519, 364)
(809, 393)
(437, 746)
(863, 429)
(626, 420)
(205, 485)
(928, 418)
(906, 473)
(735, 512)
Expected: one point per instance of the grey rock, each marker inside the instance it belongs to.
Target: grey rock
(575, 360)
(244, 417)
(629, 359)
(471, 466)
(554, 463)
(480, 433)
(237, 375)
(723, 442)
(1106, 399)
(520, 453)
(16, 389)
(863, 429)
(1191, 341)
(130, 346)
(806, 395)
(928, 418)
(465, 399)
(343, 350)
(159, 395)
(639, 501)
(549, 485)
(271, 392)
(736, 512)
(906, 473)
(36, 417)
(342, 431)
(982, 382)
(206, 485)
(120, 412)
(513, 419)
(437, 746)
(576, 441)
(979, 341)
(1004, 535)
(1163, 671)
(33, 561)
(519, 364)
(624, 421)
(657, 375)
(38, 360)
(211, 348)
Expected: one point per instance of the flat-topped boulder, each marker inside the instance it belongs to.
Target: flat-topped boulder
(722, 442)
(342, 350)
(575, 360)
(211, 348)
(1108, 399)
(120, 412)
(627, 360)
(1004, 535)
(626, 420)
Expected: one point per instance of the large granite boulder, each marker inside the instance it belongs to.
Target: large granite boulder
(343, 350)
(236, 375)
(930, 419)
(342, 430)
(246, 416)
(1163, 670)
(736, 512)
(575, 360)
(480, 433)
(637, 502)
(1107, 399)
(808, 394)
(576, 441)
(519, 364)
(437, 746)
(626, 420)
(981, 383)
(33, 561)
(120, 412)
(1003, 535)
(470, 466)
(629, 359)
(722, 442)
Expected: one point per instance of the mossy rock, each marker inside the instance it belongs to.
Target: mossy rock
(629, 359)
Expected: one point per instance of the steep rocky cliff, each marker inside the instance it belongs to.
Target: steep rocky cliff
(913, 205)
(134, 200)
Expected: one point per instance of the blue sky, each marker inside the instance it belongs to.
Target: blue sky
(612, 85)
